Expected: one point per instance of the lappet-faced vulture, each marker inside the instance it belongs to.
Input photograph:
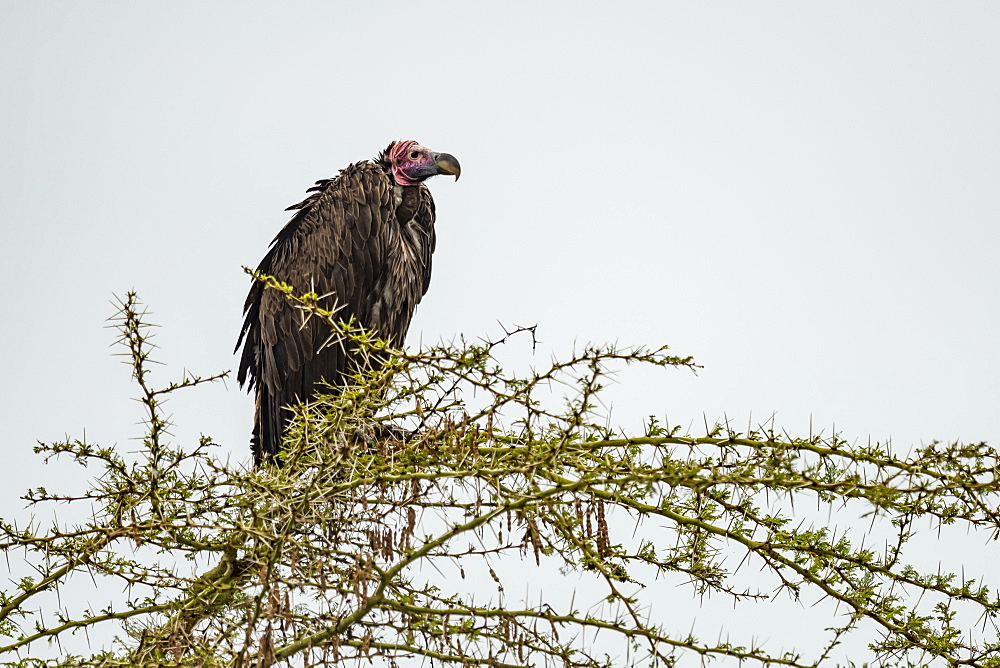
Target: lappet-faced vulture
(362, 241)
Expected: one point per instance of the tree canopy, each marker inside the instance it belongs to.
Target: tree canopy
(426, 515)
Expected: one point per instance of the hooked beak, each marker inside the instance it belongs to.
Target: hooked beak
(447, 164)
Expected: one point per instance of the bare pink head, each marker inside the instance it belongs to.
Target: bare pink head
(411, 163)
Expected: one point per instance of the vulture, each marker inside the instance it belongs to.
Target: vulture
(362, 241)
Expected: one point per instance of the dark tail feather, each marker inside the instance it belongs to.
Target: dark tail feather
(267, 431)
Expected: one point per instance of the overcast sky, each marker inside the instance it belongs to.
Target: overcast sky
(801, 195)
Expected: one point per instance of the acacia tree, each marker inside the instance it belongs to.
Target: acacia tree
(410, 503)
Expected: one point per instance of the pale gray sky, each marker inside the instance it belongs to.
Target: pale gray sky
(801, 195)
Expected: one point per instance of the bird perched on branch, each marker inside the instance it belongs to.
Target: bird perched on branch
(362, 241)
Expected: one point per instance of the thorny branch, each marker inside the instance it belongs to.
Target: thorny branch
(407, 497)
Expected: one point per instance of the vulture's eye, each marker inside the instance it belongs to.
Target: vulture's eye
(414, 155)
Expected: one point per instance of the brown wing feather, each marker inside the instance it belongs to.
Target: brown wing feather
(335, 245)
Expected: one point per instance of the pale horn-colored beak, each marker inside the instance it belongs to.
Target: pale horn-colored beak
(447, 164)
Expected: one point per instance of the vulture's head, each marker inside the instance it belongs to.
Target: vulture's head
(411, 163)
